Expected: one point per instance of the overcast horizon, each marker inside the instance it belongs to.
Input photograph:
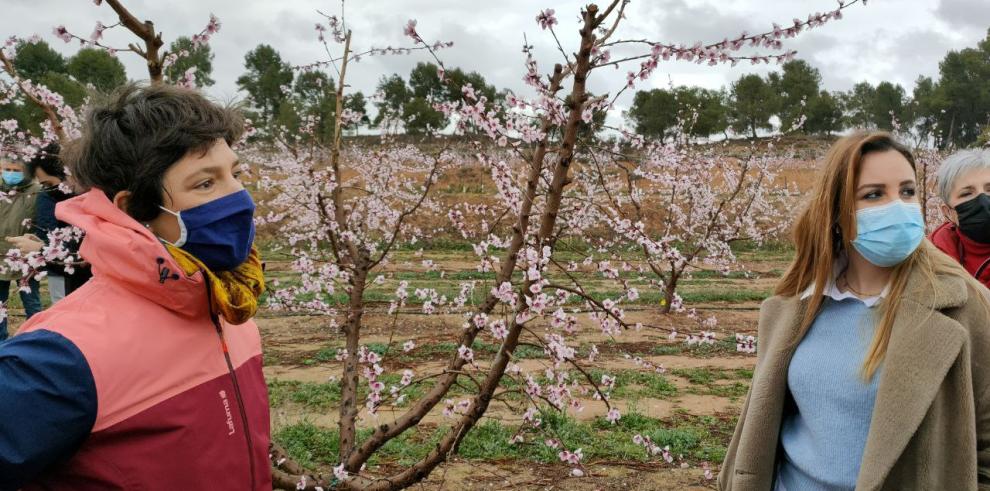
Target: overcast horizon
(884, 40)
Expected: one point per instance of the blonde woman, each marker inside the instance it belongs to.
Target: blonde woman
(873, 366)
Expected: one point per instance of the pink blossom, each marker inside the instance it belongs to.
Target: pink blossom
(573, 458)
(546, 19)
(465, 354)
(499, 331)
(214, 25)
(97, 32)
(410, 30)
(62, 33)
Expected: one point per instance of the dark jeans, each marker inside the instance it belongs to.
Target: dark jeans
(31, 301)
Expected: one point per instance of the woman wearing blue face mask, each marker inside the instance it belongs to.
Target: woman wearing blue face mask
(16, 212)
(871, 371)
(149, 375)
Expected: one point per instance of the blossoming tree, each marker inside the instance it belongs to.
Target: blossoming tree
(343, 210)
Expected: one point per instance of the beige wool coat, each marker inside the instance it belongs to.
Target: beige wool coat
(930, 428)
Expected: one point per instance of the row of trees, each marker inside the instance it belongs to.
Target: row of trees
(749, 105)
(69, 77)
(93, 68)
(283, 97)
(951, 111)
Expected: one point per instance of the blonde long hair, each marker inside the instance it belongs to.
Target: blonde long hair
(826, 228)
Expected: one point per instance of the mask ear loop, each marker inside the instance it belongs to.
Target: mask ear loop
(183, 233)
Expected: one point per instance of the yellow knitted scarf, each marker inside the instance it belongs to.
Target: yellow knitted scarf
(234, 294)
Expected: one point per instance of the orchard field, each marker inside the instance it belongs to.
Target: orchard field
(690, 406)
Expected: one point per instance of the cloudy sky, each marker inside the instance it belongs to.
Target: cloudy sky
(895, 40)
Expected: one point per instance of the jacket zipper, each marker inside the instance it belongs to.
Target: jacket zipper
(237, 386)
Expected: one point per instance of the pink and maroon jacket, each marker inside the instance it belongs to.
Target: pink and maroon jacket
(130, 383)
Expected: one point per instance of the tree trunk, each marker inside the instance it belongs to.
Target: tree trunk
(560, 179)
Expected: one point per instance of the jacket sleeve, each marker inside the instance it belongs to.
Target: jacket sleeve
(974, 315)
(47, 404)
(44, 217)
(983, 439)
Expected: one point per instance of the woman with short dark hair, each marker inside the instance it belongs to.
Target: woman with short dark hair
(149, 376)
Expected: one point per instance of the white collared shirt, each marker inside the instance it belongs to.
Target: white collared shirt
(832, 291)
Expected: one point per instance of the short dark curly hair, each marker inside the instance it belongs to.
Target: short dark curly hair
(133, 136)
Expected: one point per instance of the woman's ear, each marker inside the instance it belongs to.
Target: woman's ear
(121, 200)
(949, 213)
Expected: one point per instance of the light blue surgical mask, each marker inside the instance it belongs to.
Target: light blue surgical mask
(13, 177)
(886, 235)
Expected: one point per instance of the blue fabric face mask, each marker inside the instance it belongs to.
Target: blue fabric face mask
(13, 177)
(886, 235)
(218, 233)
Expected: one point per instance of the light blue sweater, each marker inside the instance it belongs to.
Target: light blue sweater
(827, 417)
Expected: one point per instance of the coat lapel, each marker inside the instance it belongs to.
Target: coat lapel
(923, 345)
(756, 454)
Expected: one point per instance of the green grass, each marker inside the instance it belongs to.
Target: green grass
(721, 347)
(446, 348)
(733, 391)
(309, 445)
(635, 384)
(707, 381)
(778, 247)
(667, 349)
(317, 396)
(697, 438)
(691, 291)
(730, 295)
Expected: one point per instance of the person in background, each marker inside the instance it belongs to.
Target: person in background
(964, 186)
(872, 369)
(48, 170)
(17, 208)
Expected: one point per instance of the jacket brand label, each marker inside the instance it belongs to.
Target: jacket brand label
(226, 409)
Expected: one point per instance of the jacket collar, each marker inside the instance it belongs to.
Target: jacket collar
(24, 187)
(125, 252)
(924, 344)
(832, 291)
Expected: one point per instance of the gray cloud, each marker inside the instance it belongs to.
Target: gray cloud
(884, 41)
(972, 14)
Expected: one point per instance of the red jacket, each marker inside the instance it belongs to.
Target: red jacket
(973, 256)
(174, 409)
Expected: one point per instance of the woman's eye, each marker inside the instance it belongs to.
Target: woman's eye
(872, 195)
(205, 184)
(908, 192)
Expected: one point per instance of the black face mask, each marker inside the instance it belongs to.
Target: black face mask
(974, 218)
